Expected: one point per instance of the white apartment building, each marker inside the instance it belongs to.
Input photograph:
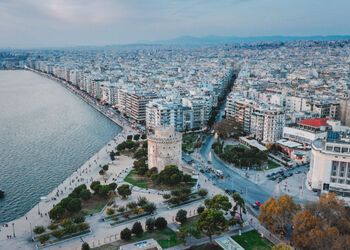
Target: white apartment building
(330, 164)
(298, 104)
(267, 125)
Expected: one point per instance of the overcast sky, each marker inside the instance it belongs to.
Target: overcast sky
(34, 23)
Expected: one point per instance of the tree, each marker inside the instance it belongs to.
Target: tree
(105, 167)
(129, 137)
(95, 185)
(181, 216)
(150, 207)
(160, 223)
(277, 215)
(112, 155)
(200, 209)
(170, 175)
(74, 205)
(324, 224)
(212, 221)
(229, 128)
(136, 137)
(137, 229)
(124, 190)
(103, 190)
(143, 136)
(121, 146)
(150, 223)
(39, 229)
(202, 192)
(56, 212)
(219, 202)
(239, 205)
(85, 246)
(101, 172)
(85, 194)
(125, 234)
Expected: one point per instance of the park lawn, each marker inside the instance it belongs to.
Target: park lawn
(271, 164)
(136, 180)
(166, 238)
(191, 227)
(252, 241)
(144, 182)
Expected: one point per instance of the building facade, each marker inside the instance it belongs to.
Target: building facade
(330, 164)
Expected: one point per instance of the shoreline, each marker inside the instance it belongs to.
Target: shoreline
(22, 226)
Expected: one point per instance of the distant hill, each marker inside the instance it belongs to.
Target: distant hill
(210, 40)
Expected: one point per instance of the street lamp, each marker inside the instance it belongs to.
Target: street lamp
(13, 230)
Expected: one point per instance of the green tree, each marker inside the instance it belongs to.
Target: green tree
(218, 202)
(150, 224)
(181, 216)
(56, 212)
(112, 155)
(160, 223)
(95, 185)
(136, 137)
(85, 194)
(170, 175)
(211, 222)
(103, 190)
(150, 207)
(137, 229)
(85, 246)
(200, 209)
(124, 190)
(125, 234)
(105, 167)
(74, 205)
(202, 192)
(39, 229)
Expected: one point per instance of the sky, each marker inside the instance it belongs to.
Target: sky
(44, 23)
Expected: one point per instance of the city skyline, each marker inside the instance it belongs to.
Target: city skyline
(25, 23)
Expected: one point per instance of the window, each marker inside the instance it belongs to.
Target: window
(344, 150)
(341, 181)
(329, 148)
(335, 163)
(337, 149)
(334, 180)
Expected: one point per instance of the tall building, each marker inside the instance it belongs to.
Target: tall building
(133, 103)
(267, 125)
(164, 148)
(344, 110)
(330, 164)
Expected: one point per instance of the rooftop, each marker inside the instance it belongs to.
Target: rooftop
(314, 122)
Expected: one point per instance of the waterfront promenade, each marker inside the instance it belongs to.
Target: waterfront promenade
(17, 234)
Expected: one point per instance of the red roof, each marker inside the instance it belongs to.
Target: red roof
(316, 122)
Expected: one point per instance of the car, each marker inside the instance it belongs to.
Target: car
(256, 204)
(279, 180)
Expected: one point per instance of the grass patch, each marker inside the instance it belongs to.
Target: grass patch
(191, 227)
(271, 164)
(144, 182)
(136, 180)
(252, 241)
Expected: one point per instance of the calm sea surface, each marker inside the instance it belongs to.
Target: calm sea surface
(46, 133)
